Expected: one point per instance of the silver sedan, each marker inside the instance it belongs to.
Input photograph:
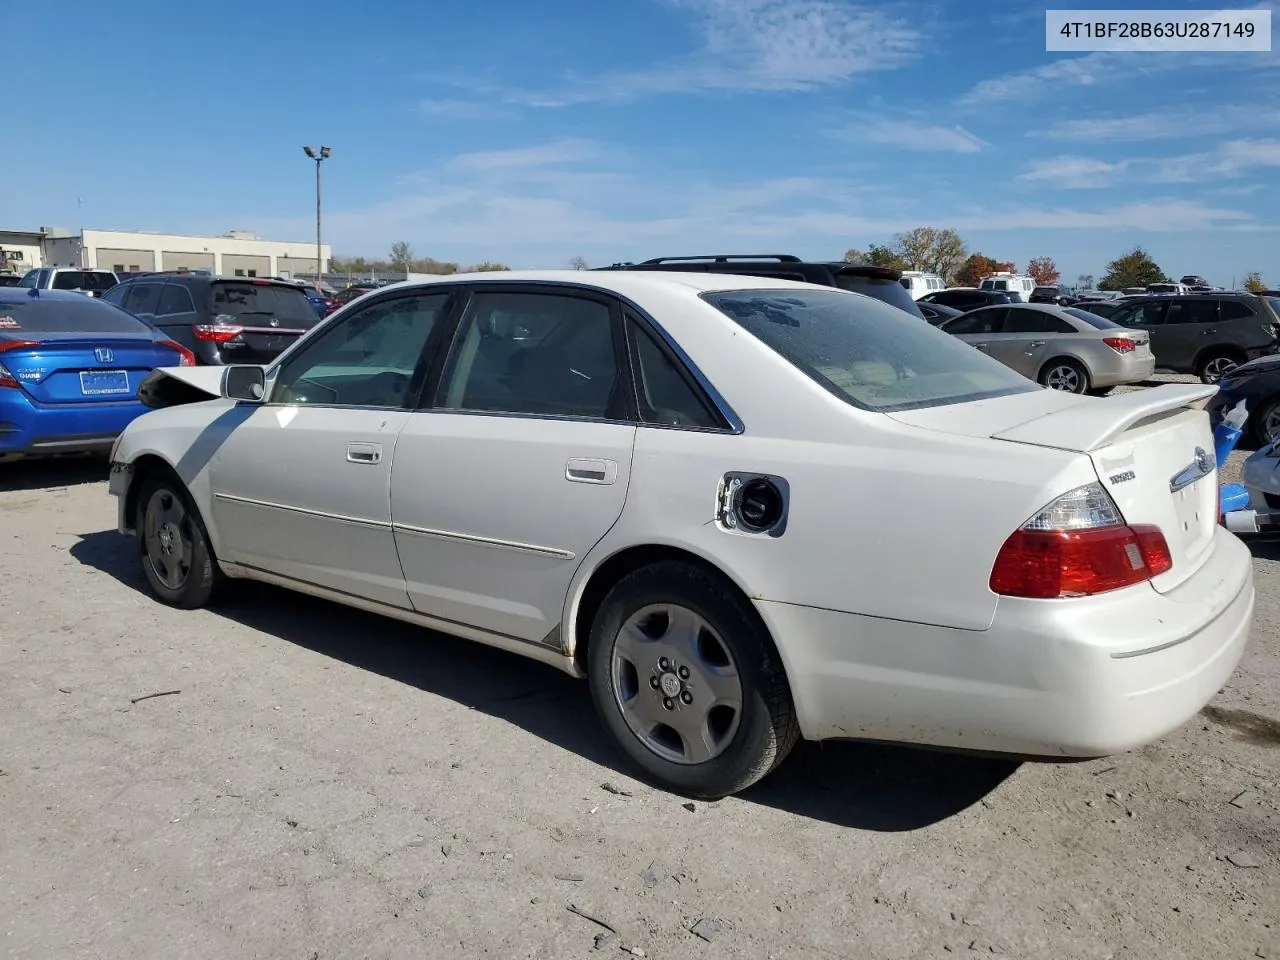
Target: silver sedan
(1063, 348)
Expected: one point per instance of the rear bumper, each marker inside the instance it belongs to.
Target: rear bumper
(32, 429)
(1067, 678)
(1111, 371)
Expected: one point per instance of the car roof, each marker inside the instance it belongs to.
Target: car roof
(623, 282)
(23, 294)
(1042, 307)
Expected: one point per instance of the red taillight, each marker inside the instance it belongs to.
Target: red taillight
(7, 379)
(185, 357)
(1077, 546)
(1120, 344)
(1047, 564)
(216, 332)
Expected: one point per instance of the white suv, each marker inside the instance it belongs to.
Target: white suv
(94, 283)
(917, 283)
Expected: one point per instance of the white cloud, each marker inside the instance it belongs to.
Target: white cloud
(1074, 173)
(1231, 159)
(556, 153)
(745, 46)
(1161, 125)
(917, 136)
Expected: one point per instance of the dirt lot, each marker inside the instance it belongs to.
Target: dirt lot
(330, 785)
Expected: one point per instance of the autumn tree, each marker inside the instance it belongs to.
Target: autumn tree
(854, 255)
(974, 269)
(401, 255)
(1043, 271)
(1133, 269)
(1253, 282)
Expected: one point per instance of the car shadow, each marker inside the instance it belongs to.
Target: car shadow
(43, 474)
(859, 785)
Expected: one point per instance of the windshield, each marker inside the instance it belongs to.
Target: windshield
(253, 304)
(1093, 319)
(867, 354)
(31, 315)
(882, 288)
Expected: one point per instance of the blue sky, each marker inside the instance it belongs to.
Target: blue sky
(531, 134)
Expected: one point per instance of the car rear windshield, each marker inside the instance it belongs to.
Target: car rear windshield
(250, 303)
(883, 289)
(83, 280)
(867, 354)
(1102, 323)
(77, 314)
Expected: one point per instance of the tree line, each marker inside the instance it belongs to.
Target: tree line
(928, 249)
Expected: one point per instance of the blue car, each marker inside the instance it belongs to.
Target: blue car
(70, 366)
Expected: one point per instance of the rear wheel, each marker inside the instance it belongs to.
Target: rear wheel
(687, 681)
(1216, 364)
(1066, 375)
(176, 557)
(1265, 423)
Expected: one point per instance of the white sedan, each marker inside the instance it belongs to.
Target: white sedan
(745, 510)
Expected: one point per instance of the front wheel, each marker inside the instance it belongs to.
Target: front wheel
(687, 681)
(176, 557)
(1065, 374)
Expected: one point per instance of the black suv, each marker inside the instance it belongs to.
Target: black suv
(970, 298)
(219, 319)
(879, 282)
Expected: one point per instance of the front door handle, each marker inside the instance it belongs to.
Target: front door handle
(981, 346)
(1208, 332)
(364, 453)
(1037, 343)
(591, 470)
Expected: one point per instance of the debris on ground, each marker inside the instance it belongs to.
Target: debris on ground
(1245, 798)
(606, 940)
(571, 877)
(446, 848)
(707, 928)
(424, 892)
(617, 791)
(64, 689)
(291, 823)
(653, 875)
(611, 937)
(152, 696)
(689, 806)
(1244, 859)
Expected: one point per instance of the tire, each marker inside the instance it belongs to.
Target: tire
(173, 544)
(1264, 425)
(1214, 364)
(657, 604)
(1070, 373)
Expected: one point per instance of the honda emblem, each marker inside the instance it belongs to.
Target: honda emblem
(103, 354)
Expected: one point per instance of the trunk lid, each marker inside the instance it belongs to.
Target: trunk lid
(75, 368)
(174, 386)
(1152, 450)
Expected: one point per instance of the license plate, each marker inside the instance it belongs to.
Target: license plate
(98, 383)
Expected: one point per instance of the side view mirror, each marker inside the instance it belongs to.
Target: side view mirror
(244, 382)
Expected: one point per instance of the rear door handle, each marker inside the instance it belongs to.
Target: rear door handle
(1208, 332)
(1037, 343)
(364, 453)
(591, 470)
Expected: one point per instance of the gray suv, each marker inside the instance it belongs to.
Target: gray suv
(1205, 334)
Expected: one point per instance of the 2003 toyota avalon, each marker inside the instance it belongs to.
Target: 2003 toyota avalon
(745, 510)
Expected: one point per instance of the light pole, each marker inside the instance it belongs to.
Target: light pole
(318, 157)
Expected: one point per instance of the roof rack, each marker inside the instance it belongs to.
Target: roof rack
(727, 257)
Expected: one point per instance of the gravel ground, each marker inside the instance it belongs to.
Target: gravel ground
(327, 784)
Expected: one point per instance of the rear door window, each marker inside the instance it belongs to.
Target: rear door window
(1034, 321)
(1235, 310)
(144, 298)
(175, 299)
(1200, 310)
(257, 304)
(665, 392)
(988, 320)
(1149, 314)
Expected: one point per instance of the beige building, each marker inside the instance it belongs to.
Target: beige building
(234, 254)
(22, 250)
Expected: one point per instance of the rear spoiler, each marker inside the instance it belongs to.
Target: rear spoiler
(173, 386)
(1087, 426)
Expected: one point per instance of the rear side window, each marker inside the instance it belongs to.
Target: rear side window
(77, 315)
(143, 298)
(867, 354)
(175, 298)
(95, 280)
(1093, 319)
(881, 288)
(665, 393)
(1235, 310)
(1034, 321)
(255, 304)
